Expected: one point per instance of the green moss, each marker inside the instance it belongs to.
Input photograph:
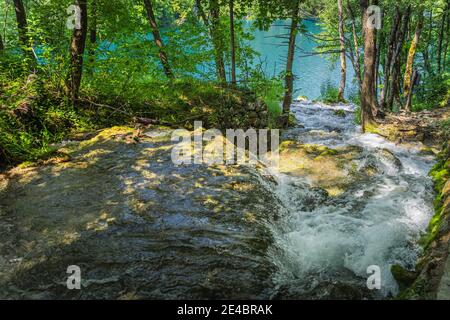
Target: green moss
(319, 150)
(340, 113)
(440, 174)
(403, 277)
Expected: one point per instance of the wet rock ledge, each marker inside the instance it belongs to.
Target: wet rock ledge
(138, 226)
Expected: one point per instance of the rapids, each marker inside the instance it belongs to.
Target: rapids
(140, 227)
(323, 250)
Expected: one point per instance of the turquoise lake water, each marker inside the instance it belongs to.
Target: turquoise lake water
(311, 72)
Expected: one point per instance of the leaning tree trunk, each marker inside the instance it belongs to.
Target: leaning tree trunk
(201, 13)
(214, 10)
(232, 44)
(22, 26)
(410, 61)
(76, 53)
(157, 38)
(342, 49)
(368, 100)
(289, 77)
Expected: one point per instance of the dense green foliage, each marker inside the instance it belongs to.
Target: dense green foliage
(124, 70)
(122, 78)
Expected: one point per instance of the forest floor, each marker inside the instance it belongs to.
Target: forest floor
(424, 126)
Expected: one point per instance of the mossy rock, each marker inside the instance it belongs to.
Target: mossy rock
(403, 277)
(340, 113)
(311, 161)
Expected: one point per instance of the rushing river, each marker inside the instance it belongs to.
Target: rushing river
(140, 227)
(324, 249)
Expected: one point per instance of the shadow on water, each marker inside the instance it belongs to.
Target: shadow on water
(136, 225)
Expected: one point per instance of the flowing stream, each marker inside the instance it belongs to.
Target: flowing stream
(324, 245)
(140, 227)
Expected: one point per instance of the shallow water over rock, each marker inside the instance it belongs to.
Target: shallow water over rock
(137, 225)
(141, 227)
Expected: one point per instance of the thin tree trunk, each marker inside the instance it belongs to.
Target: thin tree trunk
(426, 51)
(93, 36)
(379, 40)
(289, 77)
(410, 61)
(233, 44)
(343, 55)
(157, 39)
(201, 13)
(357, 59)
(393, 88)
(441, 39)
(446, 41)
(214, 10)
(367, 91)
(415, 76)
(213, 29)
(389, 54)
(394, 93)
(22, 26)
(76, 53)
(2, 47)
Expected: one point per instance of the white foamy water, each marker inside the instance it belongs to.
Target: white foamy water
(376, 222)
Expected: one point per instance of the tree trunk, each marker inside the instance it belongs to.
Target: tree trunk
(343, 55)
(289, 77)
(415, 76)
(389, 55)
(379, 40)
(201, 13)
(425, 53)
(22, 26)
(2, 47)
(368, 103)
(441, 39)
(357, 60)
(157, 39)
(393, 87)
(446, 41)
(233, 44)
(93, 36)
(214, 11)
(76, 53)
(410, 61)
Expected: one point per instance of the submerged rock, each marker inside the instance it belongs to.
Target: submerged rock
(333, 170)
